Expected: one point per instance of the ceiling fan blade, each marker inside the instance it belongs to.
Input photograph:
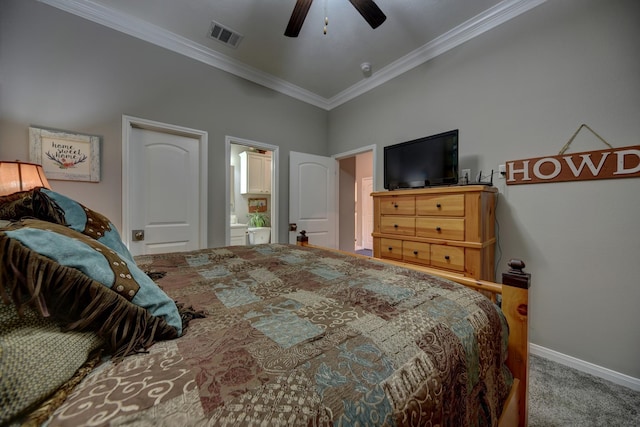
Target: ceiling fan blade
(297, 18)
(370, 12)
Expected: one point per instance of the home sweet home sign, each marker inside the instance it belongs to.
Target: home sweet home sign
(621, 162)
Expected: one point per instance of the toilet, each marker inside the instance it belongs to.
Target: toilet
(259, 235)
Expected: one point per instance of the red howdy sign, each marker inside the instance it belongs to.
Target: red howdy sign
(621, 162)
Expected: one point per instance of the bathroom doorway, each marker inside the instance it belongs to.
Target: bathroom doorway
(252, 188)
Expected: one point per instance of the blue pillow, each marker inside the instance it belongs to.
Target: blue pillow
(105, 265)
(89, 222)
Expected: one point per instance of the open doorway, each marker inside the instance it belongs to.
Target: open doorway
(355, 212)
(251, 192)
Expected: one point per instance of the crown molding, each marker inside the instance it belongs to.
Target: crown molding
(479, 24)
(143, 30)
(491, 18)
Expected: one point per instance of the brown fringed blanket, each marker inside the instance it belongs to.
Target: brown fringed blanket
(301, 336)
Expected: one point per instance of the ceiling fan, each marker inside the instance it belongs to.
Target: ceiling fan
(367, 8)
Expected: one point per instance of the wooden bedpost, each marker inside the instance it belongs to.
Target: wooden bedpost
(302, 239)
(515, 306)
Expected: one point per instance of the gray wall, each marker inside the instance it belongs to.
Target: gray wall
(520, 91)
(61, 71)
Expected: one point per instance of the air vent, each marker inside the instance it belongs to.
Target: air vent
(224, 34)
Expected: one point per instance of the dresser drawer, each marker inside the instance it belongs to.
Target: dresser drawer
(449, 257)
(400, 225)
(440, 228)
(398, 205)
(416, 252)
(391, 248)
(445, 205)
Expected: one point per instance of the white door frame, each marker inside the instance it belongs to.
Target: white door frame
(275, 187)
(361, 150)
(365, 196)
(130, 122)
(353, 153)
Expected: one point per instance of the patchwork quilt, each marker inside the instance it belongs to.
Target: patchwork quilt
(301, 336)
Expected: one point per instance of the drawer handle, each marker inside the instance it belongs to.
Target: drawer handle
(446, 257)
(438, 229)
(415, 253)
(390, 248)
(395, 205)
(395, 225)
(438, 205)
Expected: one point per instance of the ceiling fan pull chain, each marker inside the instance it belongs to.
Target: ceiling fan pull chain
(367, 8)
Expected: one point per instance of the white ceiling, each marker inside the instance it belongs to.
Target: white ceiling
(323, 70)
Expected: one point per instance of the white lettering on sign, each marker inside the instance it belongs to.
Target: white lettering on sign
(524, 171)
(586, 160)
(620, 163)
(557, 167)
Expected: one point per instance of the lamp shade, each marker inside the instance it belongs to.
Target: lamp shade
(20, 176)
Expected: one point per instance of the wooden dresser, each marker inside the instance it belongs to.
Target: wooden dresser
(449, 228)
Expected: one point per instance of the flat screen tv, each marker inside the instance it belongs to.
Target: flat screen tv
(423, 162)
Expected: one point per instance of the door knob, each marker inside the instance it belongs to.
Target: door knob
(137, 235)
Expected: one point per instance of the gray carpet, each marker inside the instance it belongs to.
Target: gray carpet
(562, 396)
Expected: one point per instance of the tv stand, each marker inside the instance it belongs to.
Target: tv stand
(449, 228)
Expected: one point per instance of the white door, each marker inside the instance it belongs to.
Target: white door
(367, 212)
(165, 181)
(312, 198)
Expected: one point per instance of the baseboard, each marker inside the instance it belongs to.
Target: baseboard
(589, 368)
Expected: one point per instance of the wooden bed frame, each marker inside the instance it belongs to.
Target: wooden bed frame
(515, 300)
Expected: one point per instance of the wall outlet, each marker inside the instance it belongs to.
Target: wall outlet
(465, 176)
(502, 171)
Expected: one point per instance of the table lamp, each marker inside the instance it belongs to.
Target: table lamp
(21, 176)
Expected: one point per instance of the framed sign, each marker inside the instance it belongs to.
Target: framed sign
(258, 204)
(65, 156)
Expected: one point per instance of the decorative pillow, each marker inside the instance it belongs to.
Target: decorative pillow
(31, 203)
(16, 205)
(87, 221)
(76, 300)
(36, 358)
(97, 262)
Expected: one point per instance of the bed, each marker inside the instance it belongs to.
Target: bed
(270, 334)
